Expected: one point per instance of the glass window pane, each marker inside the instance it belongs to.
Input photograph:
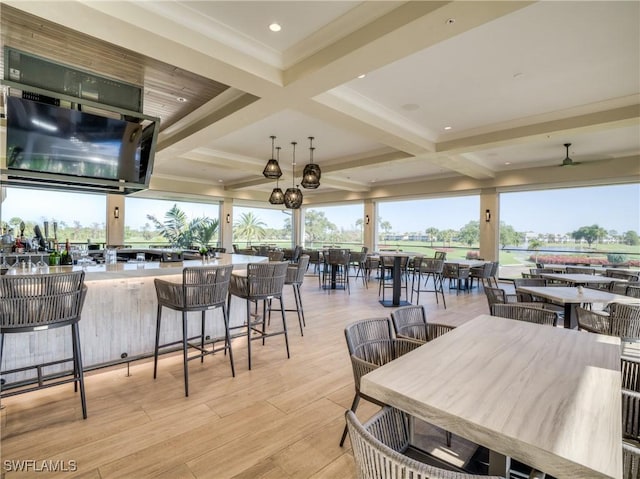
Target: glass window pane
(261, 226)
(334, 226)
(35, 206)
(428, 225)
(588, 225)
(150, 222)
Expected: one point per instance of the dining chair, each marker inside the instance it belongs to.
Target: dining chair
(37, 303)
(203, 288)
(458, 275)
(498, 296)
(371, 344)
(482, 275)
(529, 312)
(382, 449)
(630, 369)
(630, 415)
(630, 461)
(622, 320)
(411, 322)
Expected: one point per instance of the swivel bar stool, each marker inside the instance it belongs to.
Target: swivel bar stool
(203, 288)
(37, 302)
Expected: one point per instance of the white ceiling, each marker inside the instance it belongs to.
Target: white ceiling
(513, 80)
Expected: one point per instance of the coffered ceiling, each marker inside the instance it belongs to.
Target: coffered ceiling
(461, 92)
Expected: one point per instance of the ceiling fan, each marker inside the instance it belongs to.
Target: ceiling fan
(568, 161)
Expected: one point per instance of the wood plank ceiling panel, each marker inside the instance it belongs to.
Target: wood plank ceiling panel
(162, 83)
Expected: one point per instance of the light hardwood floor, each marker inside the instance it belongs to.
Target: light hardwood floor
(282, 419)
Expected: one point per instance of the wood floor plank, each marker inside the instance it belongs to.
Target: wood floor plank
(283, 419)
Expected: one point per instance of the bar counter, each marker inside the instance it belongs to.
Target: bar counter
(119, 316)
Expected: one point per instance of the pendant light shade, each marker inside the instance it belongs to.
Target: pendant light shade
(277, 196)
(311, 172)
(293, 196)
(272, 169)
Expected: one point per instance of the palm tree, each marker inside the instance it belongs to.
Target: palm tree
(248, 227)
(535, 245)
(181, 233)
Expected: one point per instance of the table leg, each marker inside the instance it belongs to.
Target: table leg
(397, 281)
(499, 464)
(570, 315)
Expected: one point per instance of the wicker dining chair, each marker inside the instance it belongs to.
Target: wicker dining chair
(630, 461)
(630, 369)
(411, 322)
(38, 302)
(526, 312)
(457, 275)
(371, 344)
(203, 288)
(622, 320)
(630, 415)
(498, 296)
(381, 449)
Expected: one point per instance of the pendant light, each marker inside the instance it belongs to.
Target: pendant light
(311, 173)
(277, 196)
(293, 195)
(272, 170)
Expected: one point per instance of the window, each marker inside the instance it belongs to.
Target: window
(334, 226)
(426, 225)
(37, 206)
(142, 231)
(592, 225)
(258, 226)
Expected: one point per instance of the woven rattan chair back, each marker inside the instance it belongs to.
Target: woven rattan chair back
(378, 446)
(633, 291)
(520, 282)
(264, 280)
(440, 255)
(371, 344)
(42, 301)
(202, 287)
(579, 270)
(631, 415)
(624, 321)
(630, 369)
(495, 296)
(530, 314)
(275, 255)
(410, 322)
(630, 461)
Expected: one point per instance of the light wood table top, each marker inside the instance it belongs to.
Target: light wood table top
(548, 397)
(470, 263)
(581, 278)
(572, 295)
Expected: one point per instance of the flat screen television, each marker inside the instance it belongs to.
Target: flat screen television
(49, 143)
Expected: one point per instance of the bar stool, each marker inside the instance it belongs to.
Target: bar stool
(295, 277)
(423, 269)
(38, 302)
(262, 282)
(203, 288)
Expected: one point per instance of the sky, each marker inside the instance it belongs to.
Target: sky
(549, 211)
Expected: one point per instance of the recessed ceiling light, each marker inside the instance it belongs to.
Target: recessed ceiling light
(362, 76)
(181, 99)
(275, 27)
(220, 181)
(507, 162)
(448, 128)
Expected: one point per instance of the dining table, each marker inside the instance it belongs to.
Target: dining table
(571, 297)
(547, 397)
(581, 279)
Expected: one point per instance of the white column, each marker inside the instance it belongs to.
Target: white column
(226, 224)
(489, 224)
(115, 219)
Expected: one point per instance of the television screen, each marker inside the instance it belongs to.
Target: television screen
(49, 139)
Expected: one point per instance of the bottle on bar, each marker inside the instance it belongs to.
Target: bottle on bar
(65, 257)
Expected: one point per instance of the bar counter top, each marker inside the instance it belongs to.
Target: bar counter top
(133, 269)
